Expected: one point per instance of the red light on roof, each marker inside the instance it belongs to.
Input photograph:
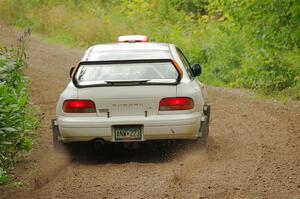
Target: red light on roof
(133, 38)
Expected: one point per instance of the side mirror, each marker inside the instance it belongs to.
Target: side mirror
(197, 70)
(71, 71)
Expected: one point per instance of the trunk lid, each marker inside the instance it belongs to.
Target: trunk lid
(127, 100)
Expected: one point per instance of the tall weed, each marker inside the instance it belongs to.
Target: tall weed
(16, 118)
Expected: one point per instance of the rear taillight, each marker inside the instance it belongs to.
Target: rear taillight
(176, 103)
(79, 106)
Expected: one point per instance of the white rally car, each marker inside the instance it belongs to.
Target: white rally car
(132, 91)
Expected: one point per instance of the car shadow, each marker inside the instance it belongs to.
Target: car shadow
(119, 153)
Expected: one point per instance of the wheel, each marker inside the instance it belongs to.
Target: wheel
(57, 145)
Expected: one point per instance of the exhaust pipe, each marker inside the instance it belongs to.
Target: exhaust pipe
(98, 144)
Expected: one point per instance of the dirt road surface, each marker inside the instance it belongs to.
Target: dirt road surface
(254, 148)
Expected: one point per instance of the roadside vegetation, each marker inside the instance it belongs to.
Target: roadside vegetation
(250, 44)
(16, 118)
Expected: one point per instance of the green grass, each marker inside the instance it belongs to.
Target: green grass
(213, 34)
(17, 119)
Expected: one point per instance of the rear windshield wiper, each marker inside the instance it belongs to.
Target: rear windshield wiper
(127, 82)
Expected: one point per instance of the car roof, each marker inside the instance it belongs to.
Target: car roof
(128, 51)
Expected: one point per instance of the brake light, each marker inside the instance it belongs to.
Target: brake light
(176, 103)
(133, 38)
(79, 106)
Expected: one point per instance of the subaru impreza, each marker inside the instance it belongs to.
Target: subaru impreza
(132, 91)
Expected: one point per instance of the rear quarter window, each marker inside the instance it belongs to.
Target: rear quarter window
(186, 64)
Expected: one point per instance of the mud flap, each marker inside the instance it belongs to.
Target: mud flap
(204, 128)
(57, 145)
(206, 111)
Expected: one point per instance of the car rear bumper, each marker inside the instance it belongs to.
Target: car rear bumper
(180, 126)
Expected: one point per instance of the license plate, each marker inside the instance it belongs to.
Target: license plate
(124, 133)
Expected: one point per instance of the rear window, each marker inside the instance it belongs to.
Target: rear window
(118, 73)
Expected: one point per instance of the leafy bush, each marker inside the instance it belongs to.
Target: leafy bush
(16, 119)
